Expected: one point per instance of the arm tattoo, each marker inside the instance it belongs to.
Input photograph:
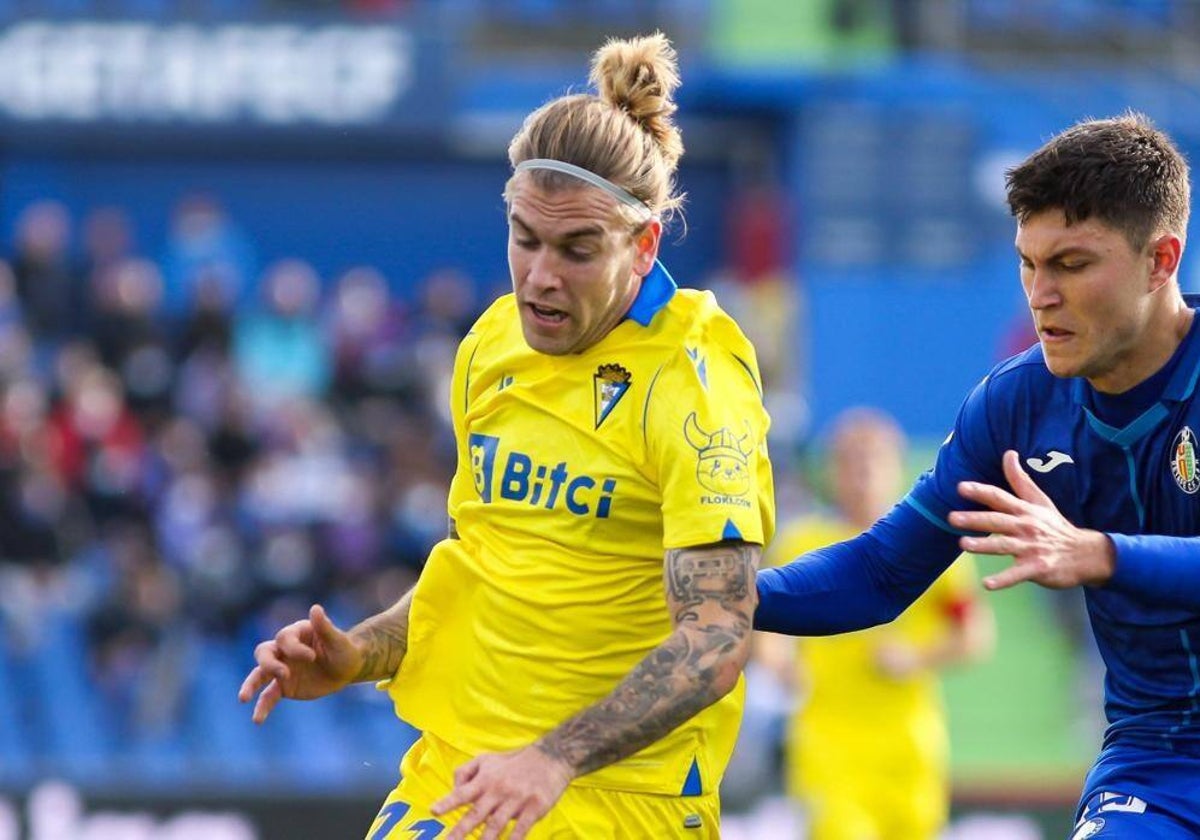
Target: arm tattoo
(385, 639)
(711, 595)
(694, 578)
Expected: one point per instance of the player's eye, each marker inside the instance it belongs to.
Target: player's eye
(579, 255)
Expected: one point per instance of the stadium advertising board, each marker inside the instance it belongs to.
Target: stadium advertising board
(271, 74)
(56, 810)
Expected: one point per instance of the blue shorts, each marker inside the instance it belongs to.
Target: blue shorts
(1139, 794)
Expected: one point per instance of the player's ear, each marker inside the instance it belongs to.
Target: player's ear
(1165, 252)
(646, 241)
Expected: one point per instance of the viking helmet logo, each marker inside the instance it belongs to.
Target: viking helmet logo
(722, 466)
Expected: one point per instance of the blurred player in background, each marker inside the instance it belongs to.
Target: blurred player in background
(868, 749)
(551, 653)
(1077, 458)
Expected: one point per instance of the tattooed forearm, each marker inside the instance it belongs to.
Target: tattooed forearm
(384, 640)
(711, 595)
(723, 574)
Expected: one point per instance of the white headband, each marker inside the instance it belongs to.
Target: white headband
(620, 194)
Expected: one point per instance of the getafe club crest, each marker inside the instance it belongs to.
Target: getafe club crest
(1183, 461)
(610, 382)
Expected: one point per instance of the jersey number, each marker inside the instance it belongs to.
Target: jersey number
(392, 814)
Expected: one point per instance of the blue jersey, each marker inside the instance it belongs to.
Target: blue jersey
(1126, 466)
(1136, 479)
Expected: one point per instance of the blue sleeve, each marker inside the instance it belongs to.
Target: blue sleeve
(970, 453)
(859, 583)
(1162, 570)
(872, 578)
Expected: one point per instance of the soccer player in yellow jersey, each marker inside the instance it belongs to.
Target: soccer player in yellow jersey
(573, 649)
(867, 749)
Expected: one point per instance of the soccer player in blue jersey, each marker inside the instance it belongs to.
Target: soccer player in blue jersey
(1077, 458)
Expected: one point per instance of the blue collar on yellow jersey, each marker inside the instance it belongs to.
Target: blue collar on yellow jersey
(657, 288)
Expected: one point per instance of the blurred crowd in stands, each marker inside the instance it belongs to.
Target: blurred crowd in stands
(194, 448)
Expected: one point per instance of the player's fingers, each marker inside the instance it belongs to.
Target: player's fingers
(996, 544)
(266, 701)
(268, 657)
(1009, 577)
(1020, 481)
(462, 794)
(525, 820)
(498, 820)
(472, 820)
(466, 772)
(990, 496)
(295, 641)
(985, 521)
(255, 680)
(322, 624)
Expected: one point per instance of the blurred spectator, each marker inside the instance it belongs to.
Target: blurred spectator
(178, 471)
(30, 499)
(48, 285)
(205, 243)
(447, 310)
(107, 242)
(370, 339)
(129, 630)
(132, 338)
(278, 350)
(96, 444)
(16, 344)
(208, 322)
(868, 748)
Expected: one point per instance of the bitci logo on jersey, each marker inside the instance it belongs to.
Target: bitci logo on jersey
(548, 486)
(1183, 461)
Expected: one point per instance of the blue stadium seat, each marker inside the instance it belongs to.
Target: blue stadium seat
(158, 761)
(307, 749)
(224, 743)
(16, 769)
(73, 723)
(380, 739)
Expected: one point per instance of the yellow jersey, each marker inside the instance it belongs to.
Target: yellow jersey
(850, 704)
(574, 474)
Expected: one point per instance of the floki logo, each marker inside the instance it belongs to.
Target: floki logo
(722, 465)
(1183, 461)
(610, 383)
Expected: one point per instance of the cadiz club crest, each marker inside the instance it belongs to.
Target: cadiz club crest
(610, 383)
(1183, 461)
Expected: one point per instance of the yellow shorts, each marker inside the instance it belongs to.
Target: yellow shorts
(427, 774)
(849, 796)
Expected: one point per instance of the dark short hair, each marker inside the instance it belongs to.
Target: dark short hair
(1122, 171)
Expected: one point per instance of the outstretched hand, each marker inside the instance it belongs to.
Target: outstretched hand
(1046, 548)
(307, 659)
(521, 785)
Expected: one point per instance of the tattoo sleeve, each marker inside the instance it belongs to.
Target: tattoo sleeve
(711, 595)
(384, 638)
